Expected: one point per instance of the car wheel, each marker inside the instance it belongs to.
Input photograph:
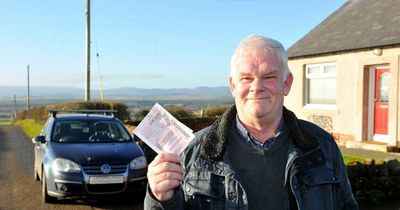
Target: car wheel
(45, 196)
(35, 174)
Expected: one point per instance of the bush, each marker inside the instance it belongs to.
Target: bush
(141, 113)
(215, 111)
(180, 112)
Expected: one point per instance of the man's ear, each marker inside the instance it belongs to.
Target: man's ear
(232, 86)
(288, 84)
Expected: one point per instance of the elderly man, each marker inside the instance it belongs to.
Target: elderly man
(257, 155)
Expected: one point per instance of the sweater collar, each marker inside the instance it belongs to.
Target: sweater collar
(214, 144)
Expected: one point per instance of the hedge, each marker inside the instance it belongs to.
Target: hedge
(40, 114)
(375, 182)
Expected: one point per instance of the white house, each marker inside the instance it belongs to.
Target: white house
(346, 74)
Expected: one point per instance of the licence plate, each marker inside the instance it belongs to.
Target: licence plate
(106, 179)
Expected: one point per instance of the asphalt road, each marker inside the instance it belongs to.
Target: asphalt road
(19, 190)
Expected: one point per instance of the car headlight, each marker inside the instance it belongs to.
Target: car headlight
(64, 165)
(138, 163)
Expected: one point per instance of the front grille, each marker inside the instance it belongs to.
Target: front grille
(96, 168)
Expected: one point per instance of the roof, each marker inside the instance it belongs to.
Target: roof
(358, 24)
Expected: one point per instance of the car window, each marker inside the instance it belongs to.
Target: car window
(89, 131)
(47, 129)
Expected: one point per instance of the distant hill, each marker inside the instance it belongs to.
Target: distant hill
(76, 92)
(135, 98)
(40, 91)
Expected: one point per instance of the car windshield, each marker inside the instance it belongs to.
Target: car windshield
(78, 131)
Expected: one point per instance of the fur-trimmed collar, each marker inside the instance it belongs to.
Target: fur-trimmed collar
(214, 145)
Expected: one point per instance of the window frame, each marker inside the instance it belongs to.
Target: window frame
(319, 74)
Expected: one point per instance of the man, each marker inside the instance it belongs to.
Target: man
(257, 155)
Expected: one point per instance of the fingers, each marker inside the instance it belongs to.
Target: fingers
(166, 157)
(164, 175)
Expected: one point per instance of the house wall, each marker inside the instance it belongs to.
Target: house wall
(349, 120)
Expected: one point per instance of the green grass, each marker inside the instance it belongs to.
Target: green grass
(5, 121)
(353, 159)
(30, 127)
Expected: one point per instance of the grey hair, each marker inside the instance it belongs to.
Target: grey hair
(266, 44)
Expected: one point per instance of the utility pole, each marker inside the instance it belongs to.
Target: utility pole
(87, 75)
(101, 88)
(28, 103)
(15, 107)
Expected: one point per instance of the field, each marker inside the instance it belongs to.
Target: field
(5, 121)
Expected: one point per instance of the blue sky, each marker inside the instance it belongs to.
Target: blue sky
(146, 44)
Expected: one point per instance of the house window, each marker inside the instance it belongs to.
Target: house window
(320, 85)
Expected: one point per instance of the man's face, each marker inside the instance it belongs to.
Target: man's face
(258, 87)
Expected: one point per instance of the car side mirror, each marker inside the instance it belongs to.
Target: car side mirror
(38, 139)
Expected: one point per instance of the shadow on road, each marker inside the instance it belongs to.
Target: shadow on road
(115, 202)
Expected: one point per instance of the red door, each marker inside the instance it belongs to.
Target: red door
(381, 101)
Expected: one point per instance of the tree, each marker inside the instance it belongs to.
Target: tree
(141, 113)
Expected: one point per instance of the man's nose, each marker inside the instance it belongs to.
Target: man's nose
(257, 85)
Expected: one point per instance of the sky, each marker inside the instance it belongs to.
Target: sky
(144, 44)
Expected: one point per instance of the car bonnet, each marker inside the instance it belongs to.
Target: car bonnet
(92, 153)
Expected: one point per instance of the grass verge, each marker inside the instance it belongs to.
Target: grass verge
(30, 127)
(353, 159)
(5, 121)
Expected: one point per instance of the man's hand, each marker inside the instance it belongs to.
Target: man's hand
(164, 174)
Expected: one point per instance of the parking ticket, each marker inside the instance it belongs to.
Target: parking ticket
(163, 132)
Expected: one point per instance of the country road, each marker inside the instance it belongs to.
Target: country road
(20, 191)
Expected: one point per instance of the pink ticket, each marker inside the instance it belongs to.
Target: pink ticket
(163, 132)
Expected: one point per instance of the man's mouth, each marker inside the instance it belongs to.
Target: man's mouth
(257, 98)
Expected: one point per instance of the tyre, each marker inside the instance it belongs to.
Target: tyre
(46, 198)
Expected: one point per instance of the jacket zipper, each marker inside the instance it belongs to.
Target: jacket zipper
(286, 174)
